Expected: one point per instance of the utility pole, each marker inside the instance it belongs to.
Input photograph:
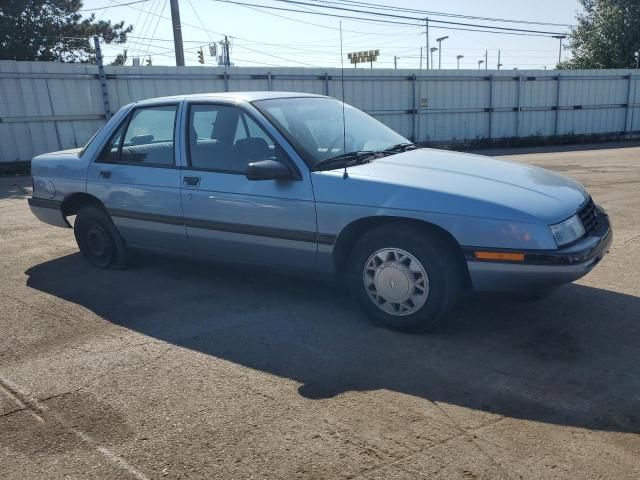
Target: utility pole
(224, 60)
(177, 32)
(426, 51)
(458, 59)
(560, 37)
(440, 40)
(637, 55)
(499, 64)
(431, 50)
(227, 56)
(420, 58)
(486, 59)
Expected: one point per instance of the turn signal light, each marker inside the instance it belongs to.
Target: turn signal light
(514, 257)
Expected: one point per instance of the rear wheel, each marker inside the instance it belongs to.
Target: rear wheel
(98, 239)
(405, 278)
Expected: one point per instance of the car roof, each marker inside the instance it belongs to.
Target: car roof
(228, 97)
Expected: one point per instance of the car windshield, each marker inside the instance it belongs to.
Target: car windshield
(314, 126)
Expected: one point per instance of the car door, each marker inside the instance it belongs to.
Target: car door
(233, 218)
(136, 178)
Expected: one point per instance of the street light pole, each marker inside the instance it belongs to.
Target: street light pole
(395, 62)
(440, 40)
(432, 49)
(426, 46)
(560, 37)
(480, 62)
(637, 55)
(458, 59)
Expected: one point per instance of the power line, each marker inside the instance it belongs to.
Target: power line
(146, 22)
(314, 24)
(271, 7)
(195, 12)
(405, 17)
(156, 28)
(396, 22)
(278, 57)
(387, 18)
(440, 14)
(109, 6)
(105, 10)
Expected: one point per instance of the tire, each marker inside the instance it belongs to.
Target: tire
(414, 266)
(98, 239)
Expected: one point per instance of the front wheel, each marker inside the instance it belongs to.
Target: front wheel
(405, 278)
(98, 238)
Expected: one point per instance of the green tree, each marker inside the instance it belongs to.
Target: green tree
(121, 59)
(53, 30)
(607, 35)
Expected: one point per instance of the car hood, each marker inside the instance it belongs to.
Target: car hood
(458, 183)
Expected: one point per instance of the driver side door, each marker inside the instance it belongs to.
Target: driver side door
(230, 217)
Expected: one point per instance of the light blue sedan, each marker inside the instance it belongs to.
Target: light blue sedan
(304, 181)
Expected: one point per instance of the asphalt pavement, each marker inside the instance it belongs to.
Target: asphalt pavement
(176, 368)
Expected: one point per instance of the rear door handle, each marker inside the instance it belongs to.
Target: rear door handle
(191, 181)
(105, 173)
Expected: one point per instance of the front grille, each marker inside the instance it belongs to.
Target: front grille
(589, 217)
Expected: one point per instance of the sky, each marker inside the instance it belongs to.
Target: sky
(262, 37)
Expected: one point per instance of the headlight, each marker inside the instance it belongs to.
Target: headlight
(568, 231)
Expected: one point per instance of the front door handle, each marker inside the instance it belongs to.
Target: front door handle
(105, 173)
(191, 181)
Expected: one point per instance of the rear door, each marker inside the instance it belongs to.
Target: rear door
(233, 218)
(137, 179)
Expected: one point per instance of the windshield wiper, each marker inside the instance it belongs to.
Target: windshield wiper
(349, 158)
(401, 147)
(362, 156)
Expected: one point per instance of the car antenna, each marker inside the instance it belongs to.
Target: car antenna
(344, 126)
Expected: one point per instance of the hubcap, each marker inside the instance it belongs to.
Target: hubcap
(99, 247)
(97, 239)
(396, 281)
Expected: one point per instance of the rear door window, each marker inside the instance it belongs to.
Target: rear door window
(149, 136)
(144, 138)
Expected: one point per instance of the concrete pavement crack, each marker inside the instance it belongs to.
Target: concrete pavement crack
(433, 444)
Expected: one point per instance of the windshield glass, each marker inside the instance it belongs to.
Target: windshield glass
(314, 126)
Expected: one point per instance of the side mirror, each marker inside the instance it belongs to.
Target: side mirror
(267, 170)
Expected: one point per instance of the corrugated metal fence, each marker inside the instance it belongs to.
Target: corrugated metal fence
(50, 106)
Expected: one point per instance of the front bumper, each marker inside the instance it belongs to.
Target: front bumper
(48, 211)
(542, 270)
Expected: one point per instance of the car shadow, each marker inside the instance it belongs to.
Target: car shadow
(571, 359)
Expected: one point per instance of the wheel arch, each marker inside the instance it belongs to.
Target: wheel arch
(350, 234)
(73, 202)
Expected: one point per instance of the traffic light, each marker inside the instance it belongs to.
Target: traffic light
(201, 55)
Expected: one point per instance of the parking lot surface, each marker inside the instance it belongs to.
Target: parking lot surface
(181, 369)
